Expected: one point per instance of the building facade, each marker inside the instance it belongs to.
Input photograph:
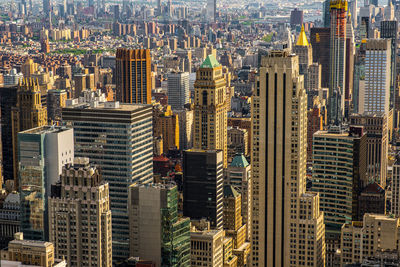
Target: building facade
(133, 76)
(210, 108)
(178, 90)
(80, 216)
(157, 233)
(42, 152)
(203, 186)
(118, 138)
(280, 200)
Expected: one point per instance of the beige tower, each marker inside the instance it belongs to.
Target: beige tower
(282, 209)
(80, 216)
(210, 108)
(29, 68)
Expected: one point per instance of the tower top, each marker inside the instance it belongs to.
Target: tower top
(339, 4)
(302, 40)
(210, 62)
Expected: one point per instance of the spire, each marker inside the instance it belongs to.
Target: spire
(302, 40)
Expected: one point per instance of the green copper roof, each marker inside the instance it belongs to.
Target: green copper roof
(239, 161)
(210, 62)
(229, 191)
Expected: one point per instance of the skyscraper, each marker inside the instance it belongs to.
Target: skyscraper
(320, 42)
(118, 138)
(389, 30)
(178, 90)
(304, 51)
(337, 73)
(211, 10)
(210, 108)
(280, 200)
(377, 76)
(43, 151)
(47, 8)
(80, 216)
(28, 113)
(203, 186)
(133, 76)
(157, 233)
(350, 52)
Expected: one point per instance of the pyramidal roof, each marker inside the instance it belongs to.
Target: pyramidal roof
(239, 161)
(210, 62)
(302, 40)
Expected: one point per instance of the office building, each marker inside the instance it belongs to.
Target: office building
(313, 78)
(376, 237)
(206, 247)
(279, 150)
(337, 62)
(10, 219)
(211, 10)
(237, 142)
(8, 100)
(376, 126)
(377, 76)
(80, 216)
(30, 253)
(238, 175)
(337, 176)
(234, 226)
(296, 17)
(178, 90)
(320, 43)
(359, 79)
(166, 125)
(372, 199)
(389, 30)
(157, 233)
(27, 114)
(350, 52)
(210, 108)
(47, 8)
(203, 186)
(353, 12)
(326, 17)
(133, 76)
(29, 67)
(395, 201)
(186, 118)
(104, 133)
(56, 100)
(42, 152)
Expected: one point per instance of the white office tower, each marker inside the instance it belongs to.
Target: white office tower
(178, 90)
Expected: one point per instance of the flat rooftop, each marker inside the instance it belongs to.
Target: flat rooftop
(46, 129)
(108, 106)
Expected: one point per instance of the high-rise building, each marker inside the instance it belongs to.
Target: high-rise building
(80, 216)
(157, 233)
(8, 100)
(337, 62)
(42, 152)
(210, 108)
(280, 200)
(304, 50)
(166, 125)
(350, 52)
(395, 208)
(376, 126)
(315, 124)
(178, 90)
(133, 76)
(372, 199)
(320, 42)
(186, 118)
(203, 186)
(211, 10)
(28, 113)
(337, 176)
(326, 17)
(47, 8)
(377, 76)
(234, 226)
(209, 244)
(238, 175)
(296, 17)
(373, 240)
(104, 133)
(353, 11)
(28, 68)
(56, 100)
